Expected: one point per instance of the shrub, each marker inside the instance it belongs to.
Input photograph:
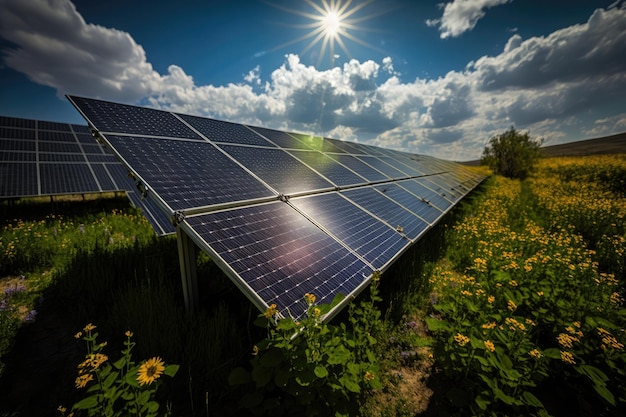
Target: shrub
(512, 154)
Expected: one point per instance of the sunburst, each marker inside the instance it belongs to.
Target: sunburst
(332, 23)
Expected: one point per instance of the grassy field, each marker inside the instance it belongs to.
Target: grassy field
(512, 305)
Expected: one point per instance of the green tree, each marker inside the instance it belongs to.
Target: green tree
(512, 154)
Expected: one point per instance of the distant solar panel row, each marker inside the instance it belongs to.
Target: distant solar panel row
(39, 158)
(283, 214)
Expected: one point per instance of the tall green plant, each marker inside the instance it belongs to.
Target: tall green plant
(311, 367)
(512, 154)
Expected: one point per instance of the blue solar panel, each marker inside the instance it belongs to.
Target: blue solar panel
(380, 165)
(281, 171)
(359, 167)
(329, 168)
(280, 255)
(121, 118)
(18, 145)
(318, 143)
(419, 187)
(414, 204)
(396, 216)
(9, 133)
(374, 240)
(66, 178)
(18, 179)
(218, 131)
(18, 122)
(281, 139)
(188, 174)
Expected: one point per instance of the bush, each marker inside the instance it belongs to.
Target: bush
(512, 154)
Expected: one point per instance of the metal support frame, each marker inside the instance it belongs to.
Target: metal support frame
(188, 276)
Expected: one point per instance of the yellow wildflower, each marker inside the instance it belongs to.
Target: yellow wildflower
(82, 380)
(568, 357)
(89, 327)
(489, 346)
(255, 350)
(489, 325)
(128, 333)
(513, 283)
(369, 376)
(61, 409)
(150, 371)
(491, 299)
(78, 335)
(316, 312)
(376, 276)
(461, 339)
(511, 305)
(540, 293)
(310, 298)
(271, 311)
(535, 353)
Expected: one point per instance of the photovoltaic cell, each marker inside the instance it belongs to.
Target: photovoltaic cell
(121, 118)
(67, 178)
(218, 131)
(281, 139)
(188, 174)
(318, 143)
(359, 167)
(419, 188)
(18, 179)
(396, 216)
(281, 171)
(329, 168)
(383, 167)
(414, 204)
(280, 255)
(375, 241)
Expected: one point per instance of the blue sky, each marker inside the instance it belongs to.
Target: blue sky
(427, 77)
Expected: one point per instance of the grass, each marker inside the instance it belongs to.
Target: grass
(483, 316)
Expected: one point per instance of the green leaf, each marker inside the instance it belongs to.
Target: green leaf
(605, 393)
(170, 370)
(482, 402)
(153, 407)
(435, 325)
(530, 399)
(350, 384)
(552, 353)
(239, 376)
(271, 358)
(339, 355)
(87, 403)
(281, 379)
(507, 399)
(321, 371)
(119, 364)
(110, 380)
(490, 382)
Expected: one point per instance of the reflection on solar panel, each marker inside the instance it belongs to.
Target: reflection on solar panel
(39, 158)
(283, 214)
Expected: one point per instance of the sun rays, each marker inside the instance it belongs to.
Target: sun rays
(332, 24)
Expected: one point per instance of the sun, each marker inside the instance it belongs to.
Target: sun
(332, 24)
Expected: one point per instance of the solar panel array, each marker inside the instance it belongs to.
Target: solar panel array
(40, 158)
(283, 214)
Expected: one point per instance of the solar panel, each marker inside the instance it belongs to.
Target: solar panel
(283, 214)
(40, 158)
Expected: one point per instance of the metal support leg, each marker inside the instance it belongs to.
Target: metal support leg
(187, 260)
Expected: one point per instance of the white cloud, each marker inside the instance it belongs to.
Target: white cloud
(540, 84)
(459, 16)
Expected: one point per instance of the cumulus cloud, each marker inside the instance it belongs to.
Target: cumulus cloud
(459, 16)
(540, 83)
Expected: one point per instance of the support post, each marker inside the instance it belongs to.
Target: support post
(187, 260)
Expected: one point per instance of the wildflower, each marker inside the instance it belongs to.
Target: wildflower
(128, 333)
(150, 371)
(511, 305)
(616, 298)
(376, 276)
(271, 311)
(61, 409)
(489, 346)
(466, 293)
(513, 283)
(369, 376)
(310, 298)
(78, 335)
(568, 357)
(82, 380)
(317, 312)
(491, 299)
(566, 340)
(489, 325)
(461, 339)
(89, 327)
(255, 350)
(540, 293)
(535, 353)
(608, 340)
(577, 324)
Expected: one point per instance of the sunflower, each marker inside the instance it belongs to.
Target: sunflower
(150, 371)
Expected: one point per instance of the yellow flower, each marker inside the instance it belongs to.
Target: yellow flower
(83, 380)
(89, 327)
(490, 346)
(150, 371)
(489, 325)
(511, 305)
(310, 298)
(271, 311)
(540, 293)
(61, 409)
(369, 376)
(535, 353)
(567, 357)
(316, 312)
(491, 299)
(376, 276)
(461, 339)
(128, 333)
(255, 350)
(513, 283)
(566, 340)
(78, 335)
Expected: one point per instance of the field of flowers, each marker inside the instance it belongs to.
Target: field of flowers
(527, 314)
